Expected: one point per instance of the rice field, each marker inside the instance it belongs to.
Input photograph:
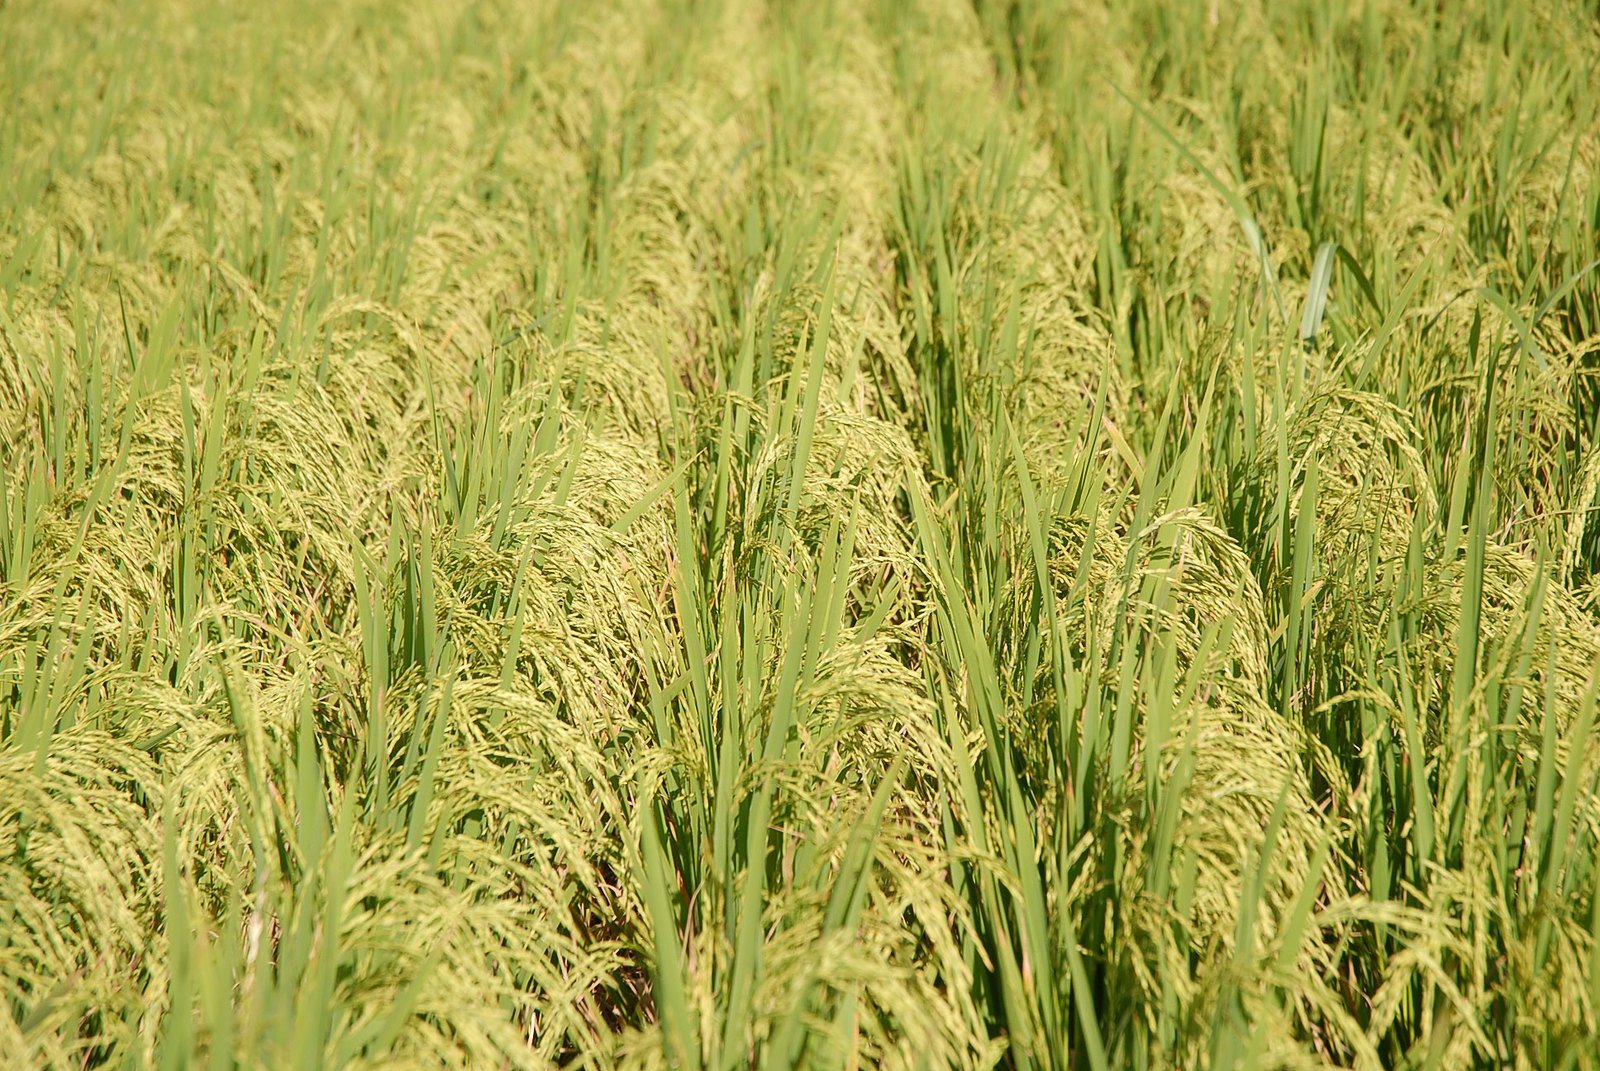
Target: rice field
(715, 534)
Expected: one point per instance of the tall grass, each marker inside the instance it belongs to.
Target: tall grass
(711, 535)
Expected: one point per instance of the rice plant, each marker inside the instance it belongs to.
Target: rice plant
(712, 534)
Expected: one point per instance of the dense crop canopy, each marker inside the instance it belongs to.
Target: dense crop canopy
(731, 533)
